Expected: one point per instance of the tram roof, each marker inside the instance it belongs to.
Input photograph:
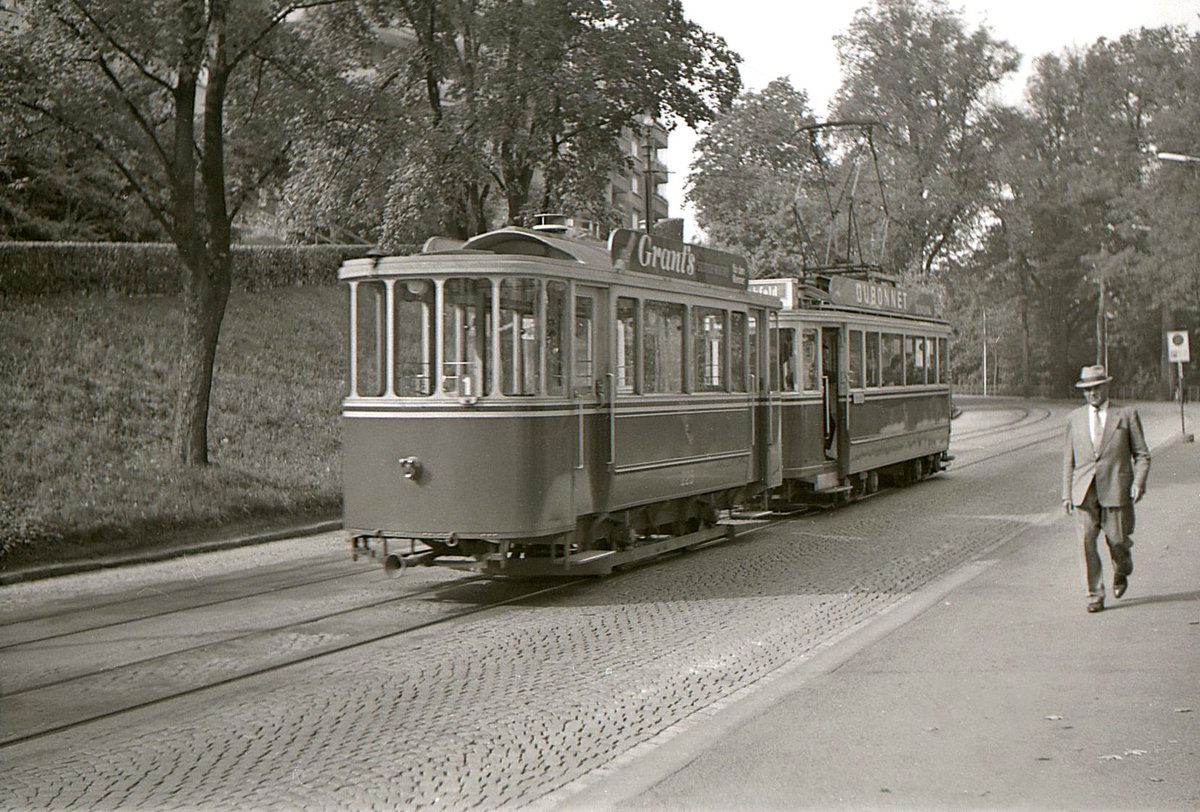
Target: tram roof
(627, 251)
(527, 242)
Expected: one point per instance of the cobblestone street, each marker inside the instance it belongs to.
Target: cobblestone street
(502, 708)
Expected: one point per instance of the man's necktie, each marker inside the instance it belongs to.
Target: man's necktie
(1097, 430)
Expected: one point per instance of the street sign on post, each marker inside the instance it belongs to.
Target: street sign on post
(1178, 351)
(1179, 354)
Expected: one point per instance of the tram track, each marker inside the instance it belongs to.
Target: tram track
(25, 713)
(58, 705)
(10, 628)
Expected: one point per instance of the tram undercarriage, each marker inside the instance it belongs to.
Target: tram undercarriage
(599, 544)
(604, 542)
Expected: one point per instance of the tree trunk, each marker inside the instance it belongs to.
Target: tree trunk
(203, 241)
(205, 295)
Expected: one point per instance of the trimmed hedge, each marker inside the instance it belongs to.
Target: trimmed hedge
(152, 269)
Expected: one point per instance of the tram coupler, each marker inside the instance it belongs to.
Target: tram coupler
(395, 559)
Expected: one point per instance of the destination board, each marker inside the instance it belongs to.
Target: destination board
(637, 251)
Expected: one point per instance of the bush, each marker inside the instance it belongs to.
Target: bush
(152, 269)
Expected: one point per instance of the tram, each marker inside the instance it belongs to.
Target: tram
(861, 368)
(533, 402)
(537, 402)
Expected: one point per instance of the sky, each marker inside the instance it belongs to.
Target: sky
(794, 38)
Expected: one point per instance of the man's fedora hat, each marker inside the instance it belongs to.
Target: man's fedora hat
(1092, 376)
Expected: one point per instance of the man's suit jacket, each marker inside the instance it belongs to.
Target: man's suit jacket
(1122, 459)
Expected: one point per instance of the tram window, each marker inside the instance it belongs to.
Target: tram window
(708, 348)
(466, 336)
(774, 367)
(810, 380)
(872, 358)
(752, 323)
(737, 352)
(626, 345)
(662, 347)
(520, 338)
(585, 344)
(891, 353)
(413, 352)
(369, 343)
(943, 360)
(914, 360)
(854, 365)
(556, 336)
(787, 359)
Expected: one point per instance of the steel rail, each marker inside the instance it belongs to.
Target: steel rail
(52, 729)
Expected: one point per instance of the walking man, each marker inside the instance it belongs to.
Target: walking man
(1105, 464)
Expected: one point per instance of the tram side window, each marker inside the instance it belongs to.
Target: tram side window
(585, 345)
(556, 337)
(872, 359)
(370, 324)
(914, 360)
(662, 347)
(891, 357)
(626, 345)
(943, 355)
(854, 366)
(810, 370)
(415, 338)
(737, 351)
(752, 324)
(466, 336)
(787, 359)
(520, 338)
(708, 348)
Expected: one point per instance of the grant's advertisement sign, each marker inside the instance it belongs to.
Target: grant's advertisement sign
(879, 296)
(662, 256)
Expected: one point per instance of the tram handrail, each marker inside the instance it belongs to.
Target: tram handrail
(610, 395)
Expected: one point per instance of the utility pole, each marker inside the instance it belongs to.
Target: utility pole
(647, 191)
(985, 353)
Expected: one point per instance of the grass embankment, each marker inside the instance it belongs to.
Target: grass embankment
(86, 413)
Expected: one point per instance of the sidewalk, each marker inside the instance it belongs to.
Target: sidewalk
(993, 689)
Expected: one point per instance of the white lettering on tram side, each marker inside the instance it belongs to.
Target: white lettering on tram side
(887, 296)
(655, 256)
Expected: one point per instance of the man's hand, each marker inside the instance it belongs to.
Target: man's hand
(1068, 507)
(1137, 492)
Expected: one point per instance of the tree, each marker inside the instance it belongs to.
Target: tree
(745, 175)
(192, 103)
(1070, 239)
(913, 66)
(512, 92)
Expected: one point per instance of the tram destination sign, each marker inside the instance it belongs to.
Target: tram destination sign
(879, 296)
(637, 251)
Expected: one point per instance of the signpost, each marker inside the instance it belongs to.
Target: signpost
(1179, 353)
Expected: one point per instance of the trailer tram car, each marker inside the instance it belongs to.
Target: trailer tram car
(862, 373)
(527, 403)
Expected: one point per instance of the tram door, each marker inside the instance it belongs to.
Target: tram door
(769, 419)
(837, 419)
(588, 393)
